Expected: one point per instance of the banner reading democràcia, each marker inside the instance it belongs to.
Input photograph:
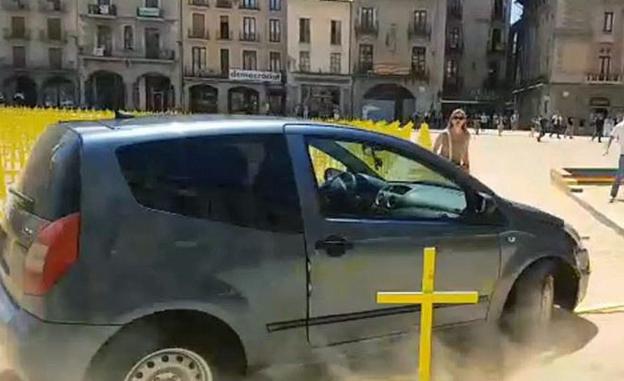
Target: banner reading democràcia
(255, 76)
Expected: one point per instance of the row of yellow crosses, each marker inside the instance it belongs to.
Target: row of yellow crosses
(20, 127)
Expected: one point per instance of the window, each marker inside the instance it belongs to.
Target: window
(275, 61)
(607, 25)
(334, 63)
(224, 28)
(244, 181)
(54, 29)
(198, 57)
(249, 29)
(275, 5)
(225, 61)
(18, 26)
(454, 37)
(420, 20)
(152, 3)
(250, 60)
(55, 56)
(336, 32)
(250, 4)
(605, 65)
(390, 184)
(304, 61)
(274, 31)
(451, 69)
(19, 56)
(419, 59)
(497, 38)
(152, 43)
(199, 25)
(498, 9)
(128, 38)
(304, 31)
(368, 21)
(366, 57)
(105, 39)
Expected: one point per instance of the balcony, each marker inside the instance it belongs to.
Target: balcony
(497, 48)
(224, 3)
(419, 31)
(106, 53)
(198, 34)
(102, 11)
(225, 34)
(51, 6)
(191, 72)
(454, 48)
(455, 10)
(46, 36)
(249, 37)
(390, 70)
(367, 28)
(604, 78)
(149, 13)
(16, 5)
(16, 34)
(199, 3)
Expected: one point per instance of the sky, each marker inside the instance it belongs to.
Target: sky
(516, 12)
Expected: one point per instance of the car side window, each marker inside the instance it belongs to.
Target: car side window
(377, 182)
(240, 180)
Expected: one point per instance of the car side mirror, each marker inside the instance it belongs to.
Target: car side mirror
(486, 204)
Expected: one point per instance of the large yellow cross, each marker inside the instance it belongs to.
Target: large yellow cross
(427, 298)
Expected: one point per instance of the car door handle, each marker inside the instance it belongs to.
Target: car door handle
(334, 246)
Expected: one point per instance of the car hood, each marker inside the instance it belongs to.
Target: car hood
(535, 214)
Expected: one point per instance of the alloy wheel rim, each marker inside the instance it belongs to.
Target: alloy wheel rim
(172, 364)
(547, 299)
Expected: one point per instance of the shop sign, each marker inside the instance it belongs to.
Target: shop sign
(254, 76)
(599, 102)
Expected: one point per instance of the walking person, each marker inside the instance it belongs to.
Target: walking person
(500, 125)
(484, 121)
(609, 126)
(617, 134)
(599, 128)
(555, 126)
(569, 131)
(543, 127)
(453, 143)
(477, 123)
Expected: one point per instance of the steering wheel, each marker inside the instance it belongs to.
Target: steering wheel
(340, 189)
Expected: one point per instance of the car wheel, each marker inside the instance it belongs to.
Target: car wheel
(152, 354)
(533, 302)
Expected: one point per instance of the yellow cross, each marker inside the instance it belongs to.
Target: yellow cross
(427, 298)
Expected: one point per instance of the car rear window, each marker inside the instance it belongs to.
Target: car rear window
(241, 180)
(51, 179)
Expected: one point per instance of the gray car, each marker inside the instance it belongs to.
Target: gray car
(205, 247)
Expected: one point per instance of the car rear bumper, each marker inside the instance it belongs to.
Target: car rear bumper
(43, 351)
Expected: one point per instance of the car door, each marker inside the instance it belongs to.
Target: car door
(353, 254)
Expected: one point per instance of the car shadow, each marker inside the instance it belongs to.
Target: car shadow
(481, 353)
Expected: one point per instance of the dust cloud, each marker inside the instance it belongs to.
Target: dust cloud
(467, 354)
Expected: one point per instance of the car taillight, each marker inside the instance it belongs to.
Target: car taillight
(54, 251)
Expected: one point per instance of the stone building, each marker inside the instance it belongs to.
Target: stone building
(569, 59)
(38, 52)
(397, 57)
(475, 70)
(129, 54)
(234, 56)
(319, 61)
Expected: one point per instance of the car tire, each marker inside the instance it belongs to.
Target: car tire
(141, 353)
(533, 303)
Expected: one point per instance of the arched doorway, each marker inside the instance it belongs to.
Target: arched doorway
(204, 99)
(389, 102)
(154, 92)
(105, 90)
(243, 100)
(21, 91)
(58, 92)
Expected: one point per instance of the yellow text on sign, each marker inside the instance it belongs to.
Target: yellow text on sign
(427, 298)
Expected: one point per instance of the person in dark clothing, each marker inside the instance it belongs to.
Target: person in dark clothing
(599, 128)
(543, 123)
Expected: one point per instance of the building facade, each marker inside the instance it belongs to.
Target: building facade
(129, 54)
(38, 52)
(234, 56)
(397, 56)
(569, 59)
(319, 61)
(475, 68)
